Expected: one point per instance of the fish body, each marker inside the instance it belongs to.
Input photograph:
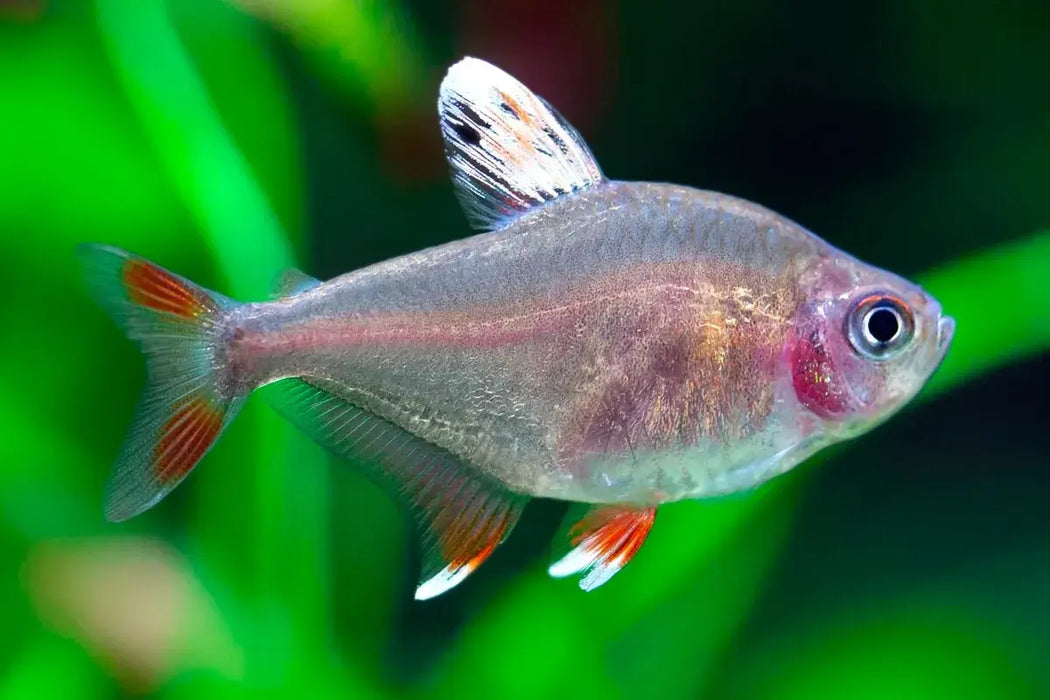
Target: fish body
(623, 344)
(616, 344)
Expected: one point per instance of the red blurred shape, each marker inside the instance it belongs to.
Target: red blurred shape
(563, 51)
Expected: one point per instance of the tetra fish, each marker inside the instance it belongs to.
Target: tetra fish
(614, 344)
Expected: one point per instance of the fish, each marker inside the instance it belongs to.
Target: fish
(616, 345)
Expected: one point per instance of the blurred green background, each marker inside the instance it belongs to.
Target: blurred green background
(229, 139)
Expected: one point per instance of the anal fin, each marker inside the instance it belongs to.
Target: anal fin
(603, 540)
(462, 514)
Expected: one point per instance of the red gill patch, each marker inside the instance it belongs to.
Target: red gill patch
(157, 289)
(814, 378)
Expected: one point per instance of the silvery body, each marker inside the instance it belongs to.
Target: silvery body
(613, 344)
(623, 344)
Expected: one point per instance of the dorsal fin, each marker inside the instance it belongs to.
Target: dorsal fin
(509, 150)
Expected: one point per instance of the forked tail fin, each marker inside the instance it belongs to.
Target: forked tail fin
(189, 396)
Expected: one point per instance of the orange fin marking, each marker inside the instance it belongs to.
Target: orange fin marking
(157, 289)
(184, 439)
(474, 545)
(603, 541)
(467, 539)
(614, 531)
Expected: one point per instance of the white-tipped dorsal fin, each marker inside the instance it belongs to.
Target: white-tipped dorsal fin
(509, 150)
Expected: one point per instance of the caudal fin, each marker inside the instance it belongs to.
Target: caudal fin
(189, 397)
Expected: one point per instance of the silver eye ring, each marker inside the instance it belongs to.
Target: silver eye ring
(879, 326)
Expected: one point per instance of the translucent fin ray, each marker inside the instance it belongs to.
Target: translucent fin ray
(462, 515)
(188, 401)
(508, 149)
(603, 540)
(291, 282)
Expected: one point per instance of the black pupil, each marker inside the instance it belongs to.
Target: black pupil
(883, 325)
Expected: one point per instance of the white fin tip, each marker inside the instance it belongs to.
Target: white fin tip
(579, 559)
(442, 581)
(600, 573)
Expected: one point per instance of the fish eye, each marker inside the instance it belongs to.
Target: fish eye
(879, 326)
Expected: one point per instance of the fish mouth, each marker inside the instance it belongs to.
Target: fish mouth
(945, 331)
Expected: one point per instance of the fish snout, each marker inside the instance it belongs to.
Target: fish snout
(945, 331)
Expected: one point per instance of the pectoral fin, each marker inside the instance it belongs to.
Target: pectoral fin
(462, 514)
(603, 540)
